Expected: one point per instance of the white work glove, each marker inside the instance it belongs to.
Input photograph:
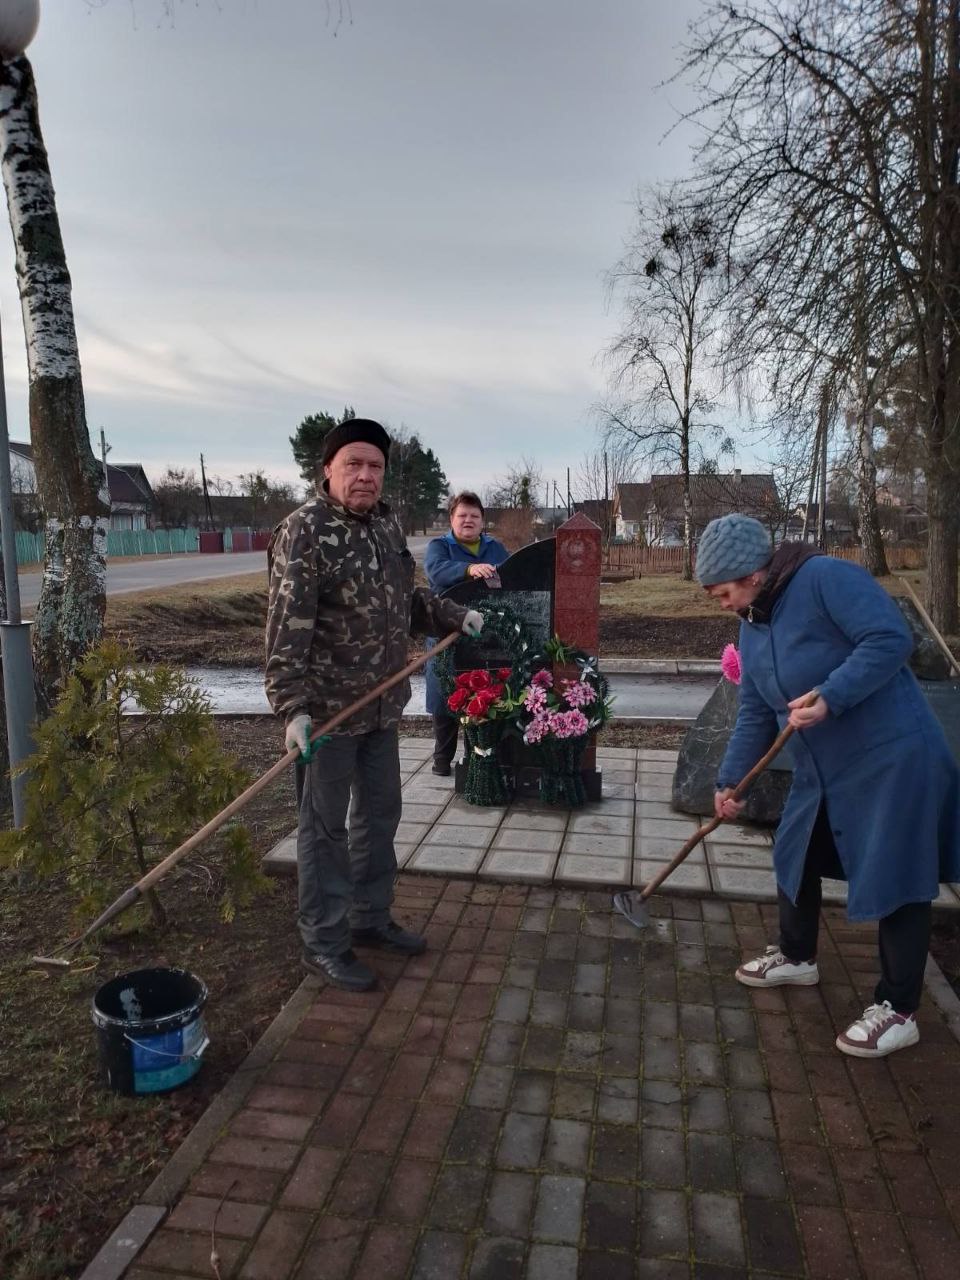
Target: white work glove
(298, 735)
(472, 624)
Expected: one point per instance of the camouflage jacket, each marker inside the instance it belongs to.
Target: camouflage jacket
(342, 605)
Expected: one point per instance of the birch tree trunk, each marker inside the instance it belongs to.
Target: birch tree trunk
(69, 615)
(868, 513)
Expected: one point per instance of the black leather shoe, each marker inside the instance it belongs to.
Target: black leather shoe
(391, 938)
(343, 970)
(441, 768)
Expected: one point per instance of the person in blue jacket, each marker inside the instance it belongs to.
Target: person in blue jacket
(465, 552)
(875, 798)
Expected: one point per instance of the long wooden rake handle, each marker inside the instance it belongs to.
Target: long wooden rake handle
(136, 891)
(945, 648)
(738, 792)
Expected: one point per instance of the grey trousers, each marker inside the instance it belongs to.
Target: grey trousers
(346, 879)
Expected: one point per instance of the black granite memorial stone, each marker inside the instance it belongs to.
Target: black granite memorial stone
(524, 583)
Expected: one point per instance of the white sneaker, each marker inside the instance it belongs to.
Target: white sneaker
(880, 1031)
(773, 969)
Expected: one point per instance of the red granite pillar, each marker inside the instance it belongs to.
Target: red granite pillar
(576, 597)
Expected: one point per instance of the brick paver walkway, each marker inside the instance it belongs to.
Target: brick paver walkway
(549, 1094)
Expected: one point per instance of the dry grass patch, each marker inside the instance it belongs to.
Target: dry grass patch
(658, 595)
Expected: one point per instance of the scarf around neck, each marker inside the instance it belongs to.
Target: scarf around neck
(785, 562)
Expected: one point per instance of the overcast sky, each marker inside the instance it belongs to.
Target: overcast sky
(268, 213)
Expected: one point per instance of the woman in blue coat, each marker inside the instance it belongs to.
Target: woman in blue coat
(875, 798)
(465, 552)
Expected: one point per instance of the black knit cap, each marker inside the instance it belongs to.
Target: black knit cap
(356, 431)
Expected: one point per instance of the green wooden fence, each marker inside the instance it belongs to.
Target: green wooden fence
(120, 542)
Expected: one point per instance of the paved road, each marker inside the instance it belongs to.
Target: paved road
(125, 576)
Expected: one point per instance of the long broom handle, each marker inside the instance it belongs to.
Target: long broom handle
(156, 873)
(929, 621)
(738, 792)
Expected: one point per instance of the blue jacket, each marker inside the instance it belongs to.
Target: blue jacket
(880, 761)
(445, 563)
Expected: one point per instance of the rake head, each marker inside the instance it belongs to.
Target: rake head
(632, 906)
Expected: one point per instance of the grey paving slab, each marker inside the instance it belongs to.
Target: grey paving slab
(691, 877)
(647, 790)
(446, 860)
(525, 838)
(417, 794)
(677, 828)
(535, 819)
(740, 882)
(601, 824)
(735, 833)
(411, 832)
(619, 777)
(404, 853)
(517, 864)
(460, 836)
(759, 857)
(608, 806)
(600, 845)
(419, 811)
(660, 847)
(584, 869)
(471, 815)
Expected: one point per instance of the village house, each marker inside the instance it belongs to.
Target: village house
(652, 511)
(131, 498)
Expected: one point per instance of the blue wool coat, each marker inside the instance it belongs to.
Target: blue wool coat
(879, 762)
(445, 563)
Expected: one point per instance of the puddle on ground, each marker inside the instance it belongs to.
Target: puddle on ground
(239, 691)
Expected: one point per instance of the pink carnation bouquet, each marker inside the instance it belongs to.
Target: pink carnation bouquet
(730, 664)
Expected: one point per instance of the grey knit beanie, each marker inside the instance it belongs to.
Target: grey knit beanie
(730, 548)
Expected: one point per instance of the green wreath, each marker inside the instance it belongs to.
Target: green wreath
(561, 758)
(513, 635)
(486, 783)
(588, 666)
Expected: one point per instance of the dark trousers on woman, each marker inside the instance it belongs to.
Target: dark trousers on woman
(904, 934)
(444, 738)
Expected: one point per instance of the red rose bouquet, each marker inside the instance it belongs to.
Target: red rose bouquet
(479, 695)
(482, 701)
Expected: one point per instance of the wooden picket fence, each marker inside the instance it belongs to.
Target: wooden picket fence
(630, 559)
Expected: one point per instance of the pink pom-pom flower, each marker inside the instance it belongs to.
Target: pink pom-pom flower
(730, 664)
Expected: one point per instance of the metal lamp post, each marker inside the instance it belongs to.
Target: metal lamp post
(18, 26)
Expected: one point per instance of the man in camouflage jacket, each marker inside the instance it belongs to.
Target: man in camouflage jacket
(342, 605)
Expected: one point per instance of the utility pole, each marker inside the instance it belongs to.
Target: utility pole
(568, 491)
(606, 500)
(104, 450)
(207, 508)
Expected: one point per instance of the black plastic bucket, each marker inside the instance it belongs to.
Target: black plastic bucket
(150, 1030)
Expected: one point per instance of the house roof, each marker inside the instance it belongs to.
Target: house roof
(632, 501)
(128, 482)
(595, 509)
(712, 494)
